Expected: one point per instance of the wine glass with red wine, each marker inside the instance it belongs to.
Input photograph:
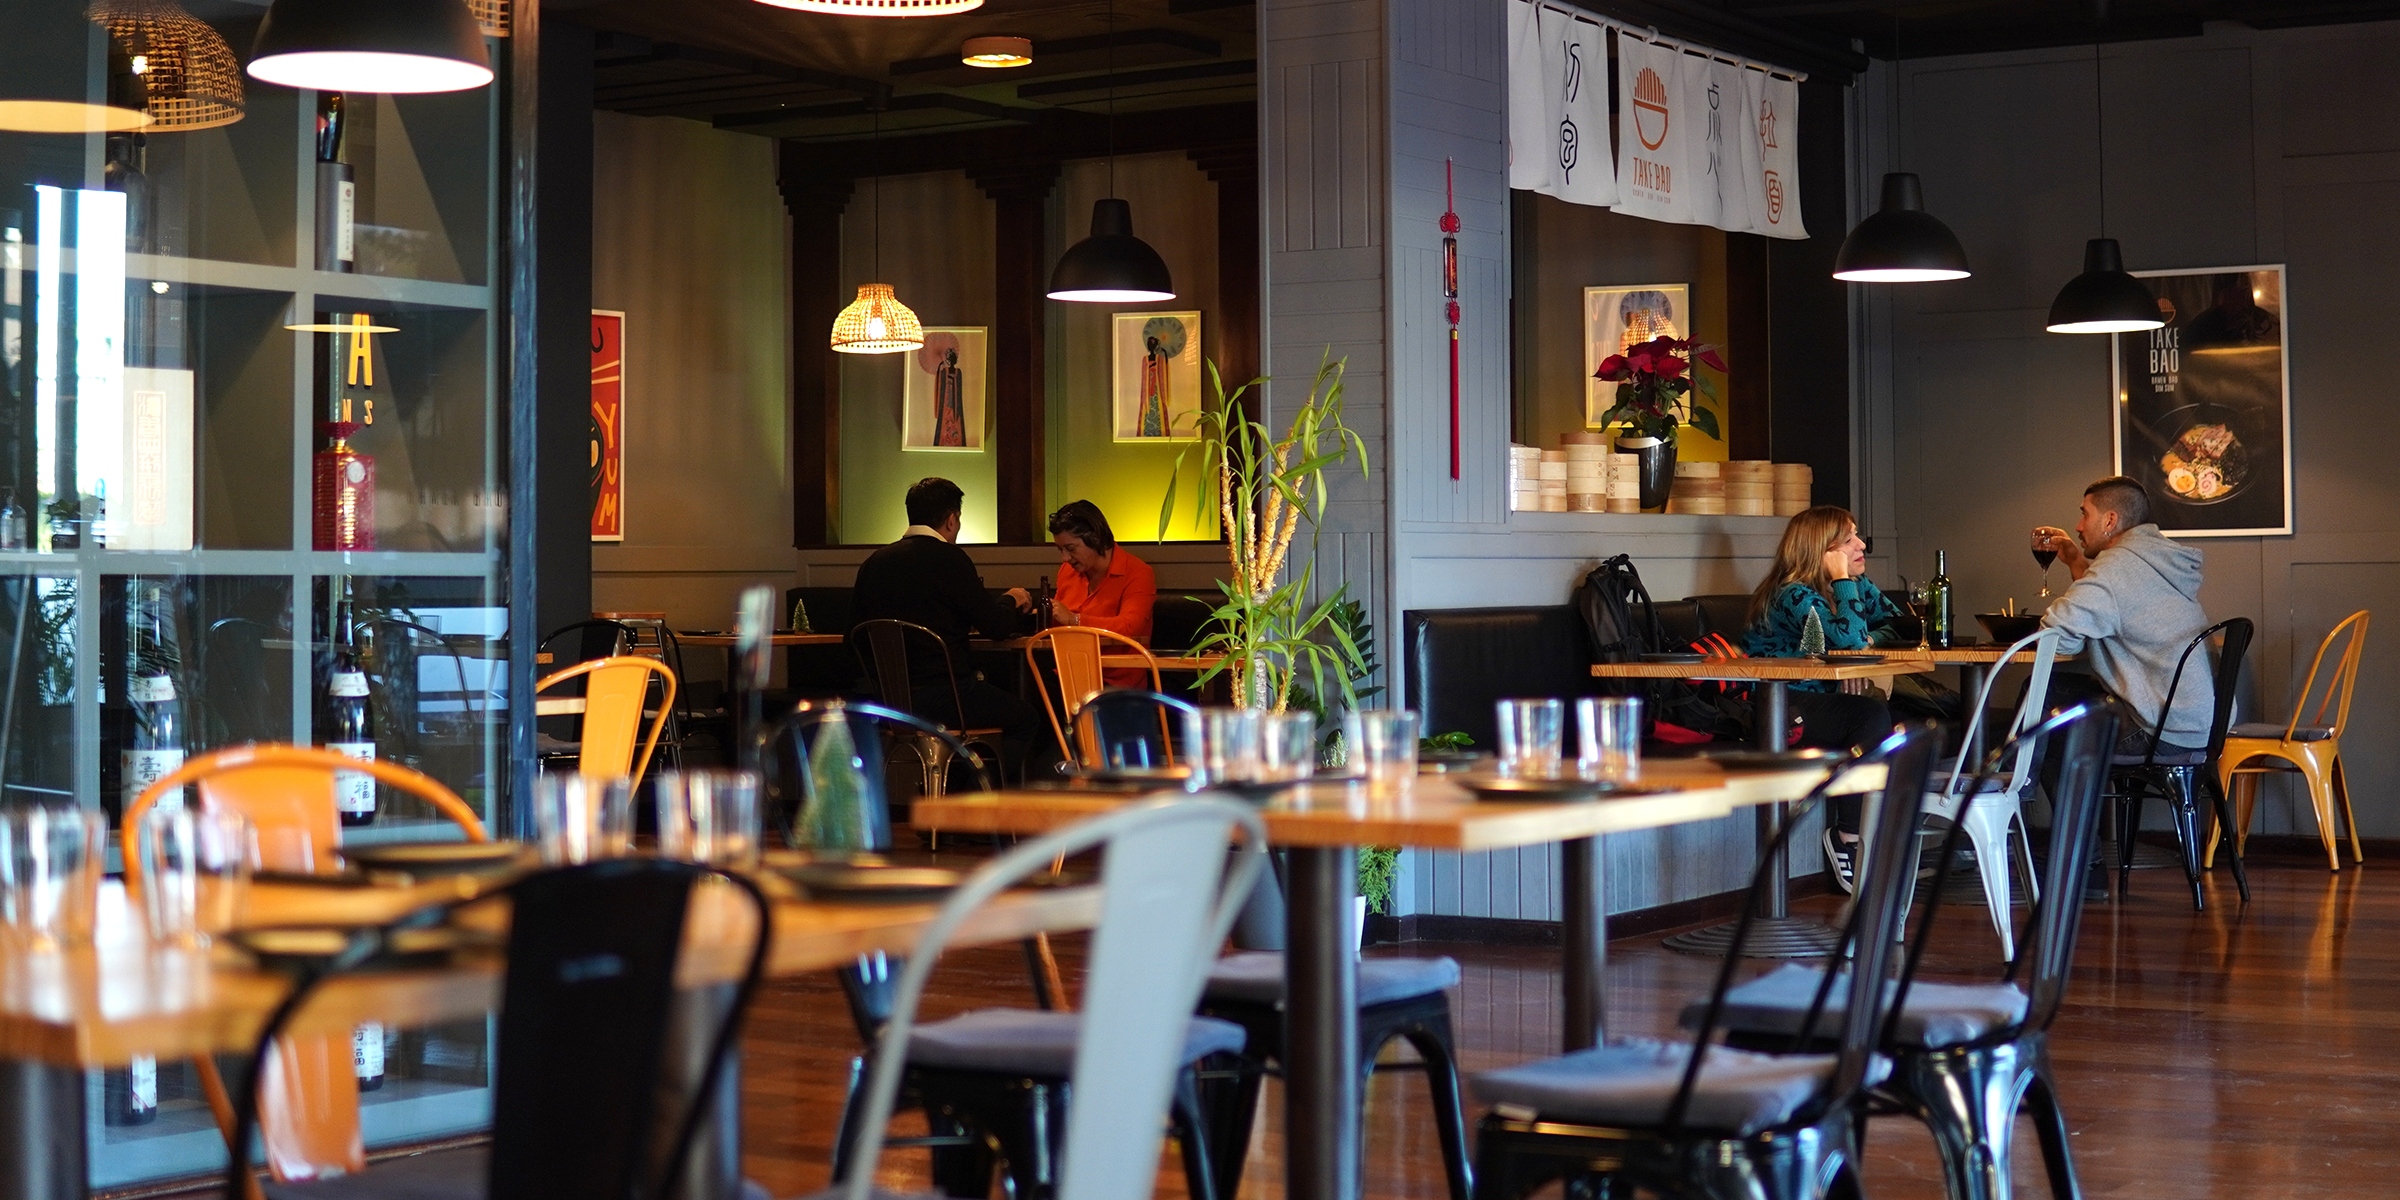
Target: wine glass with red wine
(2043, 556)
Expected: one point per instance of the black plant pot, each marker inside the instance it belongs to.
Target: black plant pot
(1658, 468)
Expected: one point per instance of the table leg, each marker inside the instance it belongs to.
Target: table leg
(41, 1132)
(1774, 932)
(1321, 1098)
(1585, 929)
(1970, 693)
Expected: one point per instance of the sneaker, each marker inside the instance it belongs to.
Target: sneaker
(1840, 858)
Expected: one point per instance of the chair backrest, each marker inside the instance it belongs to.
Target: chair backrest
(1886, 882)
(583, 1027)
(2085, 737)
(310, 1124)
(1076, 652)
(2237, 631)
(1169, 898)
(1130, 727)
(786, 748)
(883, 646)
(401, 647)
(613, 698)
(2344, 677)
(2044, 642)
(594, 638)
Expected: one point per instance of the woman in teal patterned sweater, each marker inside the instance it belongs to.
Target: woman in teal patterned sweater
(1820, 567)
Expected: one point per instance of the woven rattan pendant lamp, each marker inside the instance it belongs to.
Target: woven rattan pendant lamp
(190, 77)
(876, 322)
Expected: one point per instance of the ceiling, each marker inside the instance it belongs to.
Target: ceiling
(751, 68)
(1925, 28)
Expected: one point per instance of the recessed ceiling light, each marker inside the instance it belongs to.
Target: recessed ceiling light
(997, 51)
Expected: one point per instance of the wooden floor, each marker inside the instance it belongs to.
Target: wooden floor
(2228, 1053)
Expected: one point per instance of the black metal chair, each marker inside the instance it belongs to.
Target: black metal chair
(1967, 1057)
(583, 1044)
(1129, 728)
(2177, 775)
(1702, 1120)
(882, 646)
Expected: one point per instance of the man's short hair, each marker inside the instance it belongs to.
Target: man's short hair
(1085, 520)
(2125, 497)
(933, 500)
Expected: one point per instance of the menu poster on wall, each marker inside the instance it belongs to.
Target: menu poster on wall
(2204, 415)
(608, 426)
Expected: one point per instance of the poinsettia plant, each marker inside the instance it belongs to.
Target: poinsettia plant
(1654, 385)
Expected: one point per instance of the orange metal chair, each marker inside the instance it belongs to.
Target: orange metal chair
(309, 1107)
(2313, 749)
(1077, 650)
(613, 699)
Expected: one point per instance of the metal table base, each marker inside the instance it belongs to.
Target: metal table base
(1774, 931)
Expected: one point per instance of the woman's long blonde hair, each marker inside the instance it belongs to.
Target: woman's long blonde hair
(1800, 558)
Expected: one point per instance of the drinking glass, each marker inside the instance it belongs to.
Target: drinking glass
(50, 873)
(579, 819)
(708, 817)
(1287, 746)
(1530, 731)
(1222, 745)
(1383, 744)
(195, 872)
(1611, 729)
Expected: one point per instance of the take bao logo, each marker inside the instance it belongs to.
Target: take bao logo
(1650, 108)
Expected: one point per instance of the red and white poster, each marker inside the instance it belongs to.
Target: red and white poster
(608, 426)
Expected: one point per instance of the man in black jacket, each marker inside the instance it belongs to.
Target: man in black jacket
(925, 579)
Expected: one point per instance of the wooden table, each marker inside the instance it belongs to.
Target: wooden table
(1774, 933)
(1321, 827)
(1973, 663)
(97, 1006)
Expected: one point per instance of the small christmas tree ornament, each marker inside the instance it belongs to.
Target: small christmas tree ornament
(1812, 637)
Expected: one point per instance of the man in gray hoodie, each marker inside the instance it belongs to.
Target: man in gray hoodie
(2134, 606)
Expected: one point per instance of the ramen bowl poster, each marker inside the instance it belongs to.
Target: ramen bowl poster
(2204, 410)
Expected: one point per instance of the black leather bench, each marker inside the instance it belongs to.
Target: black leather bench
(1461, 660)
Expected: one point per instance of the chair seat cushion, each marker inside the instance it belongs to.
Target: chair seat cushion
(1937, 1014)
(1256, 977)
(463, 1173)
(2274, 733)
(1030, 1041)
(1629, 1084)
(2168, 756)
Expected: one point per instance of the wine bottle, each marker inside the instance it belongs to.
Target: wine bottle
(1041, 605)
(1937, 602)
(157, 748)
(12, 523)
(337, 188)
(129, 1095)
(366, 1056)
(351, 723)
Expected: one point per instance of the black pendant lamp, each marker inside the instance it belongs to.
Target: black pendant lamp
(2104, 299)
(1901, 242)
(1112, 266)
(371, 46)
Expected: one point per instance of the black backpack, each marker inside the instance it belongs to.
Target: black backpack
(1623, 625)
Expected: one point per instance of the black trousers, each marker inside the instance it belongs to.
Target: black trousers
(1839, 721)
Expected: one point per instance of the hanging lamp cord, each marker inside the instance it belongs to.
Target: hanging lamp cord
(1112, 98)
(2100, 137)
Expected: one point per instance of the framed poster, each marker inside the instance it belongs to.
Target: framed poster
(608, 426)
(1155, 384)
(942, 392)
(2204, 410)
(1616, 319)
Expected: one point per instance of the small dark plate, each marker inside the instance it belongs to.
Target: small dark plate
(1443, 762)
(1772, 760)
(1853, 660)
(405, 947)
(870, 883)
(1506, 787)
(1263, 791)
(1674, 657)
(1089, 785)
(427, 860)
(349, 878)
(699, 633)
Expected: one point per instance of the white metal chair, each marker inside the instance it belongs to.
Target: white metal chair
(1169, 897)
(1995, 812)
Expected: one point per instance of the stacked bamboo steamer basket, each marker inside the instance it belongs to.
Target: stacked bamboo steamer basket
(1699, 489)
(1750, 488)
(1794, 484)
(1587, 457)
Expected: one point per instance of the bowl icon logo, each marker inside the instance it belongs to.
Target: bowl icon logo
(1774, 198)
(1650, 109)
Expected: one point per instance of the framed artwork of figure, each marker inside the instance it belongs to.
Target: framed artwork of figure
(1155, 389)
(942, 391)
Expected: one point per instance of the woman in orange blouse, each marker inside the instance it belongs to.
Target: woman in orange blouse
(1101, 584)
